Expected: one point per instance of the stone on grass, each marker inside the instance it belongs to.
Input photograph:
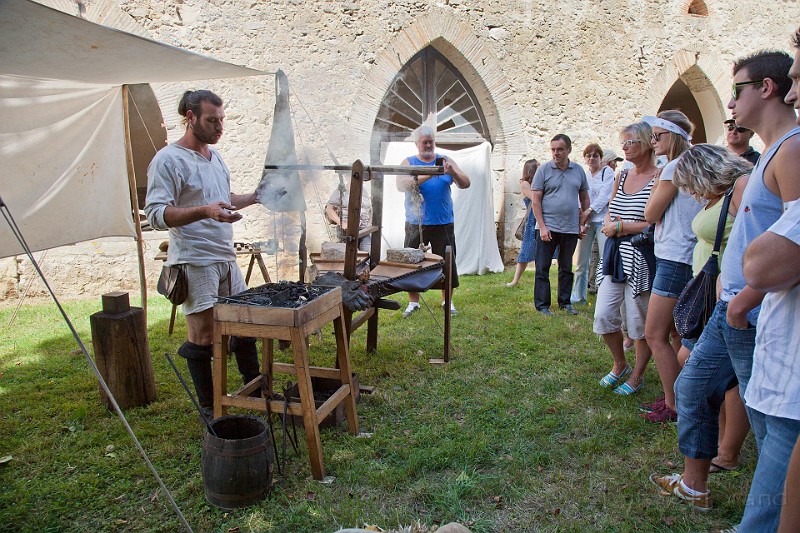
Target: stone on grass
(452, 527)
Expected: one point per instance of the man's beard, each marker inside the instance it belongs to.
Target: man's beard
(204, 136)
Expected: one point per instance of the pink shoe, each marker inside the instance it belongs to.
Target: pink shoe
(650, 407)
(662, 415)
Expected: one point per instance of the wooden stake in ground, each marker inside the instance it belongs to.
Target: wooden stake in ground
(122, 352)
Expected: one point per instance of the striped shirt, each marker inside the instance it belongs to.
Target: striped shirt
(630, 208)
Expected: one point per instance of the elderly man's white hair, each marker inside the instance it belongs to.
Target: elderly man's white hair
(424, 131)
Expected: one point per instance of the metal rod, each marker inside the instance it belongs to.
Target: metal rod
(415, 170)
(6, 212)
(203, 416)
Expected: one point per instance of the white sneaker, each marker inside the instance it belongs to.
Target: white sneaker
(453, 311)
(412, 307)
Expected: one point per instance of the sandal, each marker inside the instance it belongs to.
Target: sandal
(716, 468)
(611, 379)
(626, 389)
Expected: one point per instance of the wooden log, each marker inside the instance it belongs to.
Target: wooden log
(122, 355)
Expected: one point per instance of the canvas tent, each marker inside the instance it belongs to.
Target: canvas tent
(67, 140)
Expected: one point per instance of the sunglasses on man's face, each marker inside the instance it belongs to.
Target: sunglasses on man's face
(738, 129)
(735, 87)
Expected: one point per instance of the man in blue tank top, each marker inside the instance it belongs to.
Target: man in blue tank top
(429, 206)
(724, 352)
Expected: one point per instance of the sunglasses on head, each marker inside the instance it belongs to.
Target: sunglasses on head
(738, 129)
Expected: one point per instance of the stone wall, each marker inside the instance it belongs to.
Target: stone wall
(537, 67)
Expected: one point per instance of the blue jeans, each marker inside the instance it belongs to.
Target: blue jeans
(582, 274)
(763, 509)
(722, 353)
(671, 278)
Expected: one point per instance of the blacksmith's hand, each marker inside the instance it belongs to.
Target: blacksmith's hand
(223, 212)
(447, 166)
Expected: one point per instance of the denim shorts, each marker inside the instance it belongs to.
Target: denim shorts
(671, 278)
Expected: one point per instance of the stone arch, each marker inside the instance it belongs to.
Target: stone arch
(459, 44)
(480, 68)
(707, 77)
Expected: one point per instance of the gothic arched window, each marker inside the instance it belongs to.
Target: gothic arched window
(429, 85)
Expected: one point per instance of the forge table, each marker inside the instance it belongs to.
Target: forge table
(295, 325)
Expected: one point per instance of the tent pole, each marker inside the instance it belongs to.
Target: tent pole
(134, 197)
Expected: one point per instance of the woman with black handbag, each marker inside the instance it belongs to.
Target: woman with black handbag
(623, 284)
(718, 176)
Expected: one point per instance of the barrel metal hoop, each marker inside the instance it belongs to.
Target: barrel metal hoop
(240, 453)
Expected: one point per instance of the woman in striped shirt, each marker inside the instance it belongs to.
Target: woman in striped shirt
(623, 272)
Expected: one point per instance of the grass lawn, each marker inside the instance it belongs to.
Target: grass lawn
(514, 434)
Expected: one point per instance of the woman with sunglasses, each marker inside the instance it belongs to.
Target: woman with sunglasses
(623, 284)
(672, 211)
(601, 181)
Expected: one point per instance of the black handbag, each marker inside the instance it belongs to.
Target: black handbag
(173, 283)
(698, 298)
(520, 233)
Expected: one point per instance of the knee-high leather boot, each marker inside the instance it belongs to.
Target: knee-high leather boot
(244, 348)
(198, 359)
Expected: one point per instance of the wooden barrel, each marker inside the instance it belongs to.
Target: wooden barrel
(237, 463)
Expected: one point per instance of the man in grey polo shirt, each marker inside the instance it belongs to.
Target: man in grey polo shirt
(560, 197)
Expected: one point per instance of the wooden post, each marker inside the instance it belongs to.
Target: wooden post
(375, 253)
(122, 353)
(134, 198)
(448, 298)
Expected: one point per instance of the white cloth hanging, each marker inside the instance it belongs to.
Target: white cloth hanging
(476, 238)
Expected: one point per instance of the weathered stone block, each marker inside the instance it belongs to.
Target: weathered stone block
(405, 255)
(333, 250)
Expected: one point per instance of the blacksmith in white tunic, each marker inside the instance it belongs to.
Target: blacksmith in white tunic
(188, 193)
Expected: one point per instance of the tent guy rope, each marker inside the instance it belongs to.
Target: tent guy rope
(21, 239)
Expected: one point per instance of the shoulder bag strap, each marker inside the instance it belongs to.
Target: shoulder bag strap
(723, 218)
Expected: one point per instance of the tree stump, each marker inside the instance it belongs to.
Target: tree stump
(122, 352)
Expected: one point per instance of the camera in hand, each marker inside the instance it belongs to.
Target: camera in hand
(439, 161)
(645, 238)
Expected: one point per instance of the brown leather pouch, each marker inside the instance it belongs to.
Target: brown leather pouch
(173, 283)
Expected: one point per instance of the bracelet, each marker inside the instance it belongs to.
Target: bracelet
(619, 226)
